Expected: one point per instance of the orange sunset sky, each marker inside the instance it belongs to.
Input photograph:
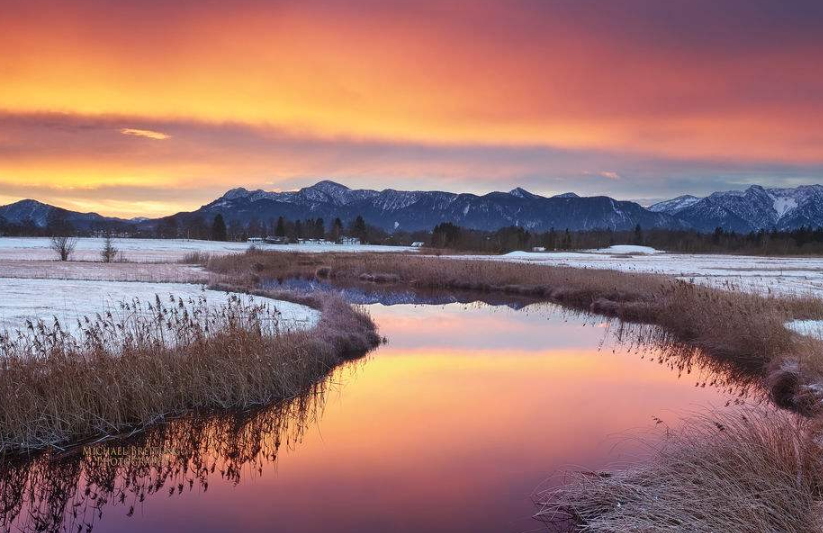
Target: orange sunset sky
(145, 108)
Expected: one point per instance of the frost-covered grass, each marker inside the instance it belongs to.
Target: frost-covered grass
(162, 250)
(742, 472)
(71, 300)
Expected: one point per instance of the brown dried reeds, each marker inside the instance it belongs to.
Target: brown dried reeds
(160, 360)
(747, 329)
(746, 471)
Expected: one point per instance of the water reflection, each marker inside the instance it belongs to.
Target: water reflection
(372, 294)
(70, 491)
(449, 427)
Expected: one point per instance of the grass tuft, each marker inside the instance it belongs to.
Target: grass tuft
(746, 471)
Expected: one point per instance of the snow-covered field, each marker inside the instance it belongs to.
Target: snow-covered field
(164, 250)
(776, 275)
(96, 271)
(70, 300)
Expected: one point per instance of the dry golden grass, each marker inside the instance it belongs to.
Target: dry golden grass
(749, 471)
(744, 328)
(118, 376)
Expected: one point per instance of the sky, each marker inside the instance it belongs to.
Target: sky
(146, 108)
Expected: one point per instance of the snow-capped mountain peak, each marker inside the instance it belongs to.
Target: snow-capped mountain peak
(675, 205)
(755, 208)
(520, 192)
(330, 187)
(233, 194)
(415, 210)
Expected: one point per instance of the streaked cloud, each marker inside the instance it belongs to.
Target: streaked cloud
(156, 135)
(75, 161)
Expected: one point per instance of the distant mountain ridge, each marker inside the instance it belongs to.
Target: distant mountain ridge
(675, 205)
(37, 213)
(756, 208)
(743, 211)
(391, 209)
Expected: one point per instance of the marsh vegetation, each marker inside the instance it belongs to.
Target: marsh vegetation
(122, 372)
(745, 328)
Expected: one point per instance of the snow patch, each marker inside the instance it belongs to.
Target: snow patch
(71, 300)
(627, 249)
(794, 276)
(809, 328)
(783, 205)
(159, 250)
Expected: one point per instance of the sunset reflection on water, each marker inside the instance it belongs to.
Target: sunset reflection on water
(451, 426)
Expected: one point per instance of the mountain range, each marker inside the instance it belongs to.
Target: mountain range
(392, 210)
(742, 211)
(38, 214)
(756, 208)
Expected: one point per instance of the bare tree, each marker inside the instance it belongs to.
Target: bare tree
(63, 246)
(109, 252)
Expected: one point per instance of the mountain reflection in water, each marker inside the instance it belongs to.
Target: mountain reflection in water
(371, 294)
(449, 427)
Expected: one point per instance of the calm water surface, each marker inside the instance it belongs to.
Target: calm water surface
(451, 426)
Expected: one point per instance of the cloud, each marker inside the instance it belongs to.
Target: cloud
(75, 161)
(149, 134)
(675, 79)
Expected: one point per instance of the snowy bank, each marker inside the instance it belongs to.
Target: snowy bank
(71, 300)
(627, 249)
(160, 250)
(801, 276)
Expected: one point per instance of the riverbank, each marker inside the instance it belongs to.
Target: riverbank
(751, 471)
(747, 329)
(467, 406)
(163, 362)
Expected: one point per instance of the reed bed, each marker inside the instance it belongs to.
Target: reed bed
(158, 360)
(746, 471)
(747, 329)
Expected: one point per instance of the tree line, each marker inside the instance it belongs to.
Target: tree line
(801, 241)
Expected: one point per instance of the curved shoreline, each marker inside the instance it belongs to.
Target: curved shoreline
(72, 394)
(738, 460)
(746, 329)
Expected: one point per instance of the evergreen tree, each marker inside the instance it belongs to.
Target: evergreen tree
(336, 230)
(638, 235)
(218, 229)
(550, 239)
(280, 230)
(358, 228)
(567, 240)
